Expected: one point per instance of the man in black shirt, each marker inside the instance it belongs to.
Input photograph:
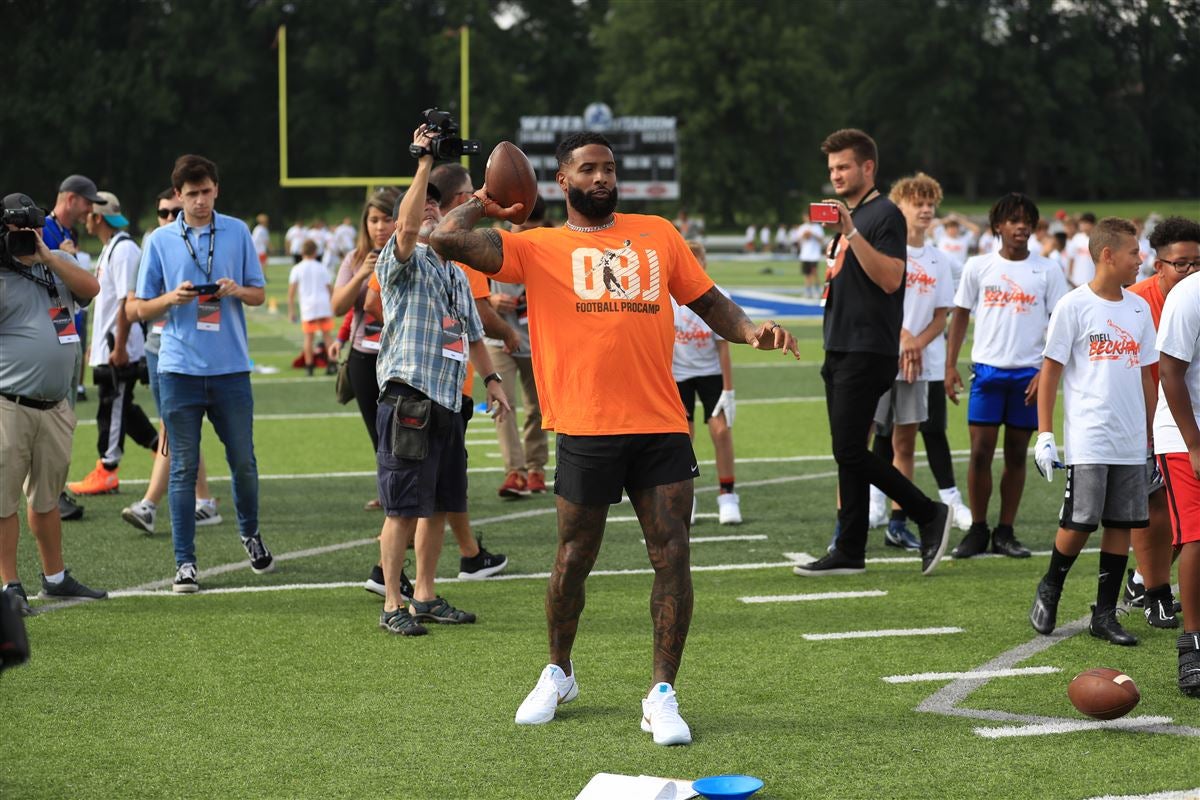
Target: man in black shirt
(864, 308)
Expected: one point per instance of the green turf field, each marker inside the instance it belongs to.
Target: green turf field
(295, 692)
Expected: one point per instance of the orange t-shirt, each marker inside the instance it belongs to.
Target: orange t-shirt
(1151, 292)
(600, 322)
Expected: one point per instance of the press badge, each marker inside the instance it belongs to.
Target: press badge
(208, 313)
(64, 325)
(372, 330)
(454, 340)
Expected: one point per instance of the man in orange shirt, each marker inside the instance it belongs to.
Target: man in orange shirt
(1176, 243)
(602, 333)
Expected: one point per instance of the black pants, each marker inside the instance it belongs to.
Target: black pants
(933, 433)
(118, 415)
(854, 382)
(366, 390)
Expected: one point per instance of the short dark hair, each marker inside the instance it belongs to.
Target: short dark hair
(192, 169)
(1088, 217)
(449, 179)
(309, 248)
(1108, 233)
(852, 139)
(1172, 230)
(1012, 206)
(166, 194)
(565, 153)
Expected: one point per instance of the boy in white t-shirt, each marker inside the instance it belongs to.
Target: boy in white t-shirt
(701, 367)
(810, 242)
(261, 236)
(293, 240)
(1011, 293)
(310, 280)
(1101, 344)
(1081, 267)
(1177, 445)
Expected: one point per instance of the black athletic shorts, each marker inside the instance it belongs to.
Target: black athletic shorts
(707, 386)
(436, 483)
(592, 470)
(808, 267)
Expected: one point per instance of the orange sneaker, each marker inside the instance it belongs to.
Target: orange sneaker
(537, 481)
(514, 486)
(101, 480)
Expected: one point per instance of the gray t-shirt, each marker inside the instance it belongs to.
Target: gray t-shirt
(154, 327)
(34, 363)
(518, 318)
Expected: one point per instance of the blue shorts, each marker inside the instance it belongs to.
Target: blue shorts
(998, 397)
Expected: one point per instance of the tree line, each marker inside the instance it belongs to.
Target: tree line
(1077, 99)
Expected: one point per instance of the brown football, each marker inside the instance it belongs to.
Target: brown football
(510, 179)
(1103, 693)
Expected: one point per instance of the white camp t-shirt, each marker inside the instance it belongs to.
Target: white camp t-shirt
(988, 243)
(695, 345)
(1083, 269)
(295, 239)
(957, 249)
(928, 287)
(312, 289)
(1179, 337)
(261, 238)
(812, 247)
(320, 237)
(118, 260)
(343, 239)
(1103, 345)
(1011, 301)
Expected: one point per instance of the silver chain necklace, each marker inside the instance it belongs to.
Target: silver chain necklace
(593, 228)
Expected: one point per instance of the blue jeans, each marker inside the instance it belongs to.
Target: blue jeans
(230, 406)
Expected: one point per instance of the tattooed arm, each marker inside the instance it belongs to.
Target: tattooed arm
(455, 239)
(727, 319)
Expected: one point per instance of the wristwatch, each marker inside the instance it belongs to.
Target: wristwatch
(495, 376)
(416, 151)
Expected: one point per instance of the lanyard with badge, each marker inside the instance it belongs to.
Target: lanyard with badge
(208, 305)
(61, 318)
(837, 256)
(454, 336)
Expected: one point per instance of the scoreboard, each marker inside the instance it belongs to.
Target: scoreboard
(645, 148)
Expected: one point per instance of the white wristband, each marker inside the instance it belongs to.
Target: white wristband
(851, 234)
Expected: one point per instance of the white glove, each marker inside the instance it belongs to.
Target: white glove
(1045, 455)
(726, 404)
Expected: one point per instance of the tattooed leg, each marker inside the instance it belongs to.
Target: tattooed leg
(580, 531)
(663, 512)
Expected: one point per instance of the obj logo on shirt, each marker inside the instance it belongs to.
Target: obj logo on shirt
(1103, 347)
(616, 274)
(1013, 297)
(919, 279)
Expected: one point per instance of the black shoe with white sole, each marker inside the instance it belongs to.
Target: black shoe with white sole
(935, 535)
(261, 560)
(185, 579)
(974, 542)
(1159, 608)
(835, 562)
(375, 584)
(482, 565)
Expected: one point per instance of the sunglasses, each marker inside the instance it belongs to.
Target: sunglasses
(168, 213)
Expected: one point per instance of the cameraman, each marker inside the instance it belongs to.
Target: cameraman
(38, 340)
(117, 346)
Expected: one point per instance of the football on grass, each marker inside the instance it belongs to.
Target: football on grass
(1103, 693)
(510, 179)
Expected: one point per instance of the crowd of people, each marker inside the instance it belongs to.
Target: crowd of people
(429, 299)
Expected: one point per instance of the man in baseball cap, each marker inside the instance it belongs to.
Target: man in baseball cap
(109, 207)
(82, 186)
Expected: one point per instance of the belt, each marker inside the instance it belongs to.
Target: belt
(29, 402)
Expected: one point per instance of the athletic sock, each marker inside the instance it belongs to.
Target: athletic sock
(56, 578)
(1160, 593)
(1060, 565)
(950, 496)
(726, 485)
(1112, 576)
(1138, 579)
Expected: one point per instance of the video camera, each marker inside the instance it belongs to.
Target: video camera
(448, 145)
(19, 210)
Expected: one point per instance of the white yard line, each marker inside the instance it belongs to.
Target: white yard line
(979, 675)
(1067, 726)
(800, 598)
(880, 634)
(1181, 794)
(804, 558)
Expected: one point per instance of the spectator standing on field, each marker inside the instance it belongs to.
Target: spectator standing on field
(309, 282)
(262, 238)
(1082, 268)
(810, 239)
(293, 239)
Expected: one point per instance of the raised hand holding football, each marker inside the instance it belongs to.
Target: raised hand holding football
(510, 179)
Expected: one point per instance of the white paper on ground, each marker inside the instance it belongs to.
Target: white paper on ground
(608, 786)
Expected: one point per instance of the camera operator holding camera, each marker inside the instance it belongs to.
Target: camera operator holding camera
(39, 289)
(118, 344)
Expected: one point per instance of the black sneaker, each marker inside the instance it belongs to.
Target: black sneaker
(481, 566)
(935, 535)
(1159, 609)
(1005, 543)
(401, 623)
(261, 560)
(20, 600)
(835, 562)
(69, 587)
(1105, 626)
(68, 509)
(1044, 613)
(974, 543)
(375, 584)
(185, 579)
(439, 611)
(1189, 663)
(1134, 594)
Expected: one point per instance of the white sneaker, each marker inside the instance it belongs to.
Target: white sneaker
(693, 522)
(552, 690)
(962, 517)
(877, 512)
(141, 515)
(728, 510)
(206, 512)
(660, 716)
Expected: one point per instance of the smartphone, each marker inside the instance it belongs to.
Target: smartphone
(823, 212)
(207, 288)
